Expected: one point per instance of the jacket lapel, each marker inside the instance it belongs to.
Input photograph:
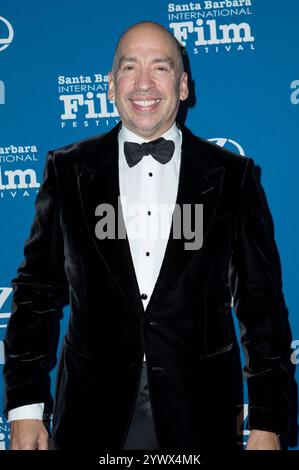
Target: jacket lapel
(98, 182)
(200, 182)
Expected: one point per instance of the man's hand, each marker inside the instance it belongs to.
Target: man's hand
(28, 434)
(263, 440)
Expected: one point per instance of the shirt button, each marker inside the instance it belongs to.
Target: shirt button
(150, 174)
(147, 253)
(148, 212)
(143, 296)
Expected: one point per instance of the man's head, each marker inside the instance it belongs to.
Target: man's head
(148, 79)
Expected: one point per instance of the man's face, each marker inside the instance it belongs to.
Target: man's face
(147, 84)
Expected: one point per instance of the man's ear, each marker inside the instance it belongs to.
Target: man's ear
(111, 87)
(184, 89)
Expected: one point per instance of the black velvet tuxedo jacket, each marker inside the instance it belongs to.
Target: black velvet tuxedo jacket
(186, 330)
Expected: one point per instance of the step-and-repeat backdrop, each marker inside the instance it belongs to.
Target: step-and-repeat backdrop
(54, 61)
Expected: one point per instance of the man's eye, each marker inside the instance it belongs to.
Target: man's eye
(161, 68)
(128, 67)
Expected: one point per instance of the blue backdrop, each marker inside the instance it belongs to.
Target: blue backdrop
(54, 60)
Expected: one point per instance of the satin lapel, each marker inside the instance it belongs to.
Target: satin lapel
(98, 182)
(200, 183)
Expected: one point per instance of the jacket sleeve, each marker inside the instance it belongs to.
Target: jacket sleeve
(260, 308)
(40, 290)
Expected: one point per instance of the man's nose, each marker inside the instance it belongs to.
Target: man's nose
(143, 80)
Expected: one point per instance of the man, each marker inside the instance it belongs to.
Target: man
(149, 357)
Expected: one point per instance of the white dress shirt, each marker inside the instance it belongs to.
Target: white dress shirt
(148, 192)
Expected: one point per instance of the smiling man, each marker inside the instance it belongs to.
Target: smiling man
(149, 359)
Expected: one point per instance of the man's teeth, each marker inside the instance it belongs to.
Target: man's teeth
(146, 102)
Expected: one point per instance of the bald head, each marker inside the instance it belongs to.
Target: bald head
(152, 28)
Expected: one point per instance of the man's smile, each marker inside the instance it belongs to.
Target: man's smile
(149, 104)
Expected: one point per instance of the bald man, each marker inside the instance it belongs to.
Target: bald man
(149, 359)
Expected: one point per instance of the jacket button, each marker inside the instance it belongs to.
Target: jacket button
(143, 296)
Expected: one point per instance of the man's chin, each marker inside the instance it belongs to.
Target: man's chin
(144, 129)
(147, 131)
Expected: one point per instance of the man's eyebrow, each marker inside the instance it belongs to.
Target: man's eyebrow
(168, 60)
(126, 58)
(155, 60)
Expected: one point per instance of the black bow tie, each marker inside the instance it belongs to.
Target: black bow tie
(161, 149)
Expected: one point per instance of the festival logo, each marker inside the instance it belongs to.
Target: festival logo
(6, 33)
(5, 293)
(17, 177)
(84, 102)
(213, 27)
(4, 433)
(295, 93)
(295, 354)
(230, 144)
(2, 92)
(4, 316)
